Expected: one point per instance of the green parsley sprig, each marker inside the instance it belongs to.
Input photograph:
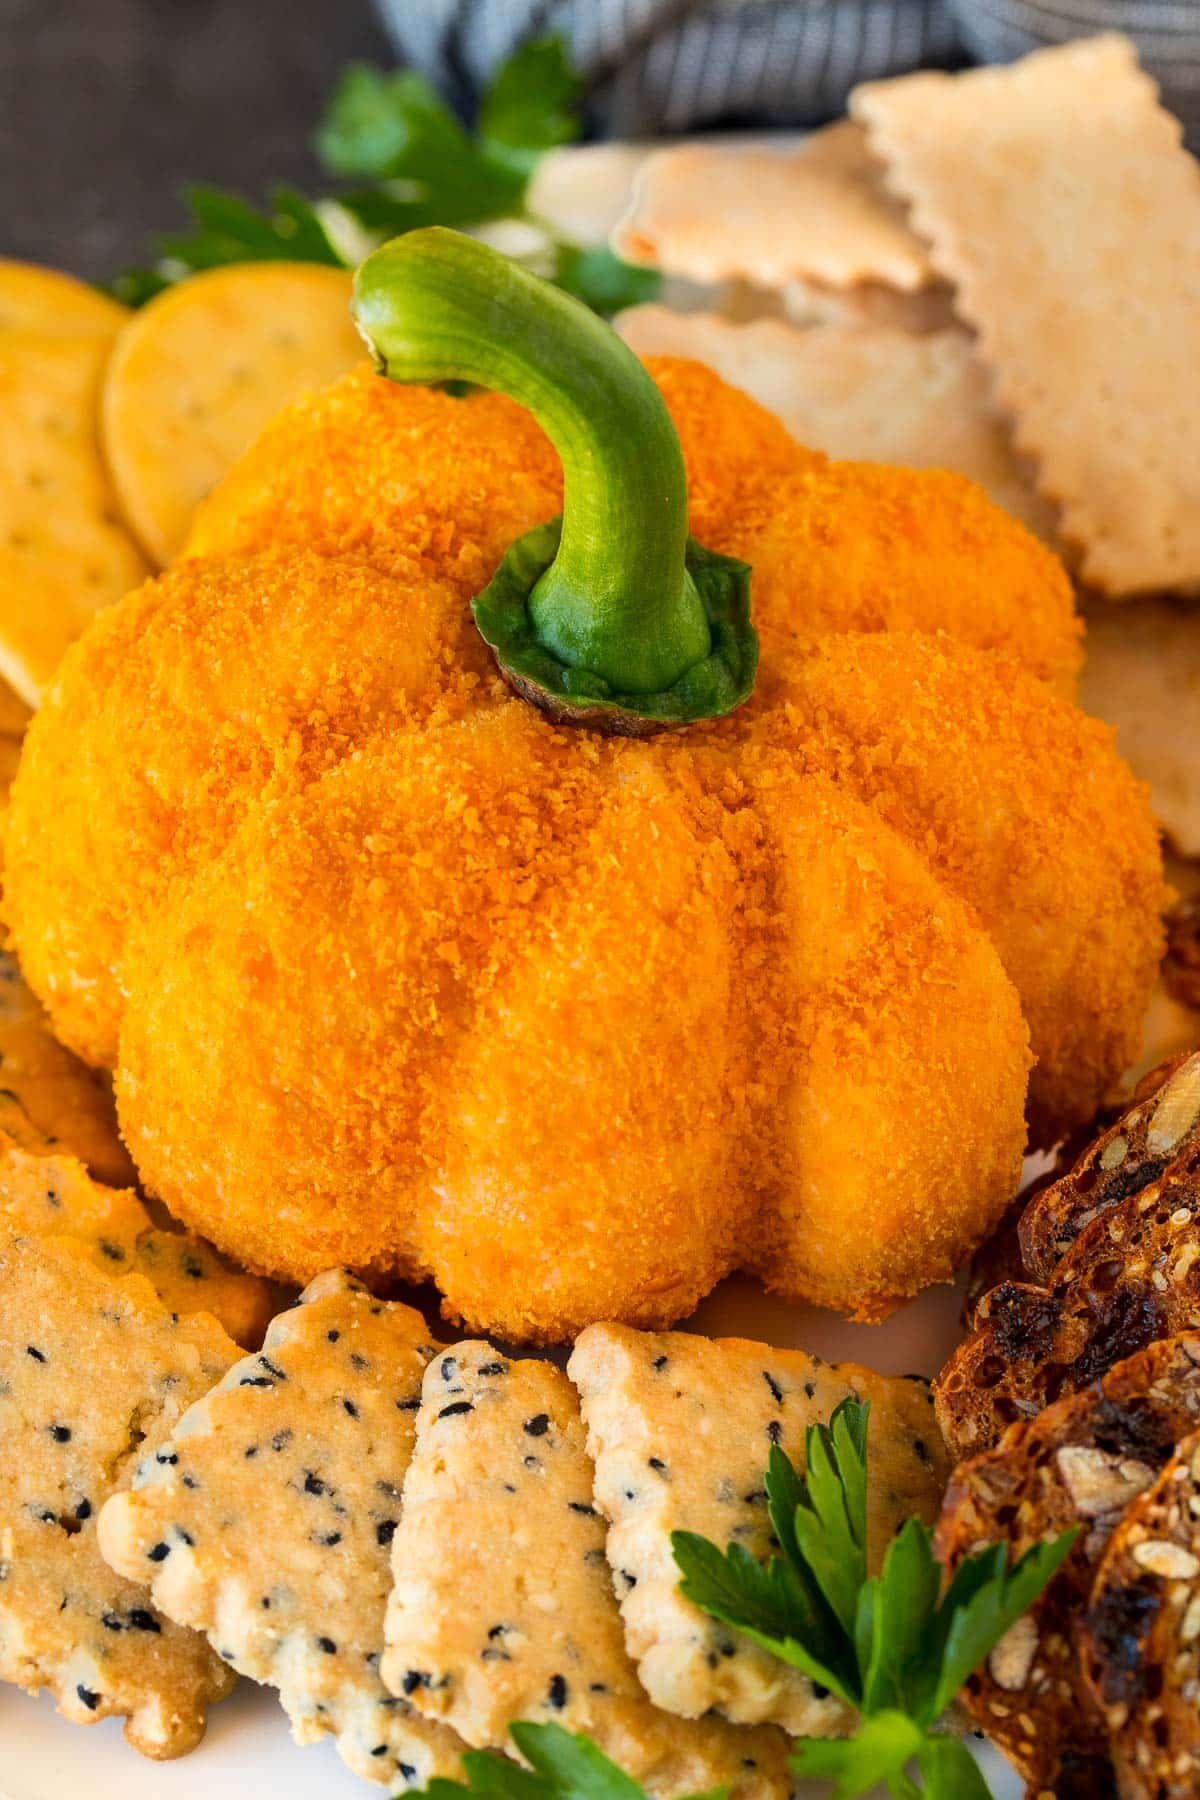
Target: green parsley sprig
(561, 1767)
(897, 1647)
(414, 163)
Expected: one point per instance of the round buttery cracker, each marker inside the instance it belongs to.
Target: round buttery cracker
(199, 371)
(63, 551)
(37, 299)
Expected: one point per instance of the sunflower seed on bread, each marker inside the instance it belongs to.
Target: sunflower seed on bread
(1158, 1131)
(1079, 1463)
(1141, 1636)
(1130, 1277)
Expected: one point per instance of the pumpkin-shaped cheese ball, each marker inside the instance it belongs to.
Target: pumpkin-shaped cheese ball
(579, 971)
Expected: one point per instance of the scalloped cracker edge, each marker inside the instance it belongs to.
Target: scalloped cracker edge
(1056, 196)
(860, 393)
(713, 212)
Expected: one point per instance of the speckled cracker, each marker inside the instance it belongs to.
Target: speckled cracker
(63, 551)
(1141, 673)
(1057, 197)
(712, 212)
(681, 1430)
(197, 373)
(43, 1195)
(503, 1605)
(277, 1496)
(866, 393)
(48, 1098)
(93, 1374)
(36, 299)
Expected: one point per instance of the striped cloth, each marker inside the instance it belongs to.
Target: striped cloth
(672, 65)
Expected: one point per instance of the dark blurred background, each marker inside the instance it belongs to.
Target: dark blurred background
(107, 107)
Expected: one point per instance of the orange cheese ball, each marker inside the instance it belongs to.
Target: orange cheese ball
(396, 974)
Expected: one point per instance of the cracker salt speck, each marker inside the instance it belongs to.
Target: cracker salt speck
(681, 1429)
(503, 1605)
(278, 1495)
(1057, 196)
(862, 393)
(712, 212)
(93, 1375)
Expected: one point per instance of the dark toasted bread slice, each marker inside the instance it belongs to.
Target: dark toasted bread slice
(1158, 1130)
(1079, 1463)
(1141, 1636)
(1131, 1276)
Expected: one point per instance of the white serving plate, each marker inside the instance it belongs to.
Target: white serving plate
(248, 1750)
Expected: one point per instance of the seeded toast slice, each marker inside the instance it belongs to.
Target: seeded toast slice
(1077, 1464)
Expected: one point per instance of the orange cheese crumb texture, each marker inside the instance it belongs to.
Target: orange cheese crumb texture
(395, 974)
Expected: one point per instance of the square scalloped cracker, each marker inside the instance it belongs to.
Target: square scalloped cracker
(1057, 196)
(681, 1429)
(93, 1375)
(713, 212)
(275, 1500)
(503, 1605)
(861, 393)
(63, 551)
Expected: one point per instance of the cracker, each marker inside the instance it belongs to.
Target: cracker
(1057, 197)
(1141, 1636)
(93, 1375)
(1141, 673)
(48, 1098)
(197, 373)
(711, 212)
(583, 191)
(48, 1195)
(63, 552)
(869, 393)
(503, 1606)
(278, 1494)
(36, 299)
(681, 1429)
(870, 303)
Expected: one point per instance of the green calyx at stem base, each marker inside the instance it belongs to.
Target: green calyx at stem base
(611, 616)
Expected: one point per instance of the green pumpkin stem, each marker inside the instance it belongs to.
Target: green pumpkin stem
(611, 616)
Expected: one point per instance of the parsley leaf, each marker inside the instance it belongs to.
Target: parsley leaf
(418, 165)
(532, 105)
(226, 230)
(897, 1646)
(881, 1751)
(602, 281)
(562, 1767)
(390, 128)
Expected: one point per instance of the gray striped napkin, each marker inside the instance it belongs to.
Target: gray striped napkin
(671, 65)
